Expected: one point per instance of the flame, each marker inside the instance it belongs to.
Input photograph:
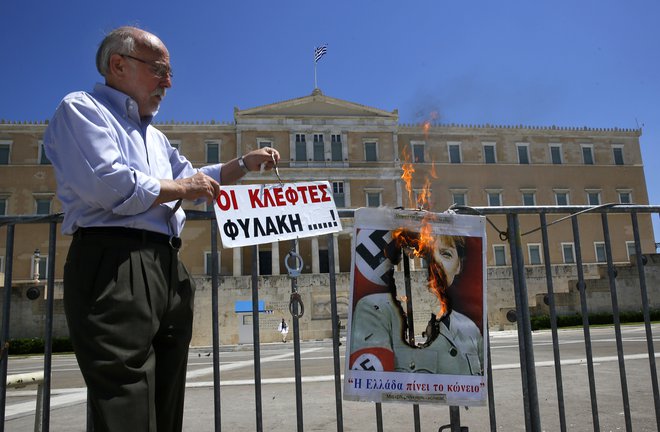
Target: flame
(426, 126)
(421, 244)
(408, 170)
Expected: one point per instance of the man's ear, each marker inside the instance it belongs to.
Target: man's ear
(117, 65)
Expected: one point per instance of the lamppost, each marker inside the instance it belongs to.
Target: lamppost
(33, 292)
(36, 258)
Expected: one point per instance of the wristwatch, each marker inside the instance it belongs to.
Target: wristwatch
(241, 163)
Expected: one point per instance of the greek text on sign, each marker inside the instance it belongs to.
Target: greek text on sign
(257, 214)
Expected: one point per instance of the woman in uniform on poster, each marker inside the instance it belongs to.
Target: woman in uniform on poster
(454, 343)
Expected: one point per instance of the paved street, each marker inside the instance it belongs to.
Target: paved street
(319, 414)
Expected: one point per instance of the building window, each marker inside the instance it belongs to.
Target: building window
(336, 147)
(373, 199)
(319, 148)
(265, 262)
(617, 153)
(5, 150)
(301, 148)
(528, 198)
(176, 144)
(417, 152)
(371, 151)
(490, 156)
(601, 256)
(459, 198)
(261, 143)
(2, 264)
(43, 159)
(568, 252)
(630, 248)
(42, 205)
(499, 252)
(454, 150)
(555, 154)
(593, 197)
(212, 152)
(523, 153)
(587, 154)
(3, 206)
(338, 193)
(208, 263)
(561, 198)
(625, 197)
(494, 199)
(534, 253)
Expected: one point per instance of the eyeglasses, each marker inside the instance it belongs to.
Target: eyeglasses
(160, 70)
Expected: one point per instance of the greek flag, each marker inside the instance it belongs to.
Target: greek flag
(320, 52)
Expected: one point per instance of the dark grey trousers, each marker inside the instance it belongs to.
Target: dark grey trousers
(129, 307)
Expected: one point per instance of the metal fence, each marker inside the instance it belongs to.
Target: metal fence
(528, 368)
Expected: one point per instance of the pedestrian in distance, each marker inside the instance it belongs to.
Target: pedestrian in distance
(283, 329)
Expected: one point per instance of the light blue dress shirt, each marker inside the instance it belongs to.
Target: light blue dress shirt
(108, 163)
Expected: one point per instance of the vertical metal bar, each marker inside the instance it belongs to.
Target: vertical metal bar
(455, 419)
(296, 350)
(335, 331)
(585, 324)
(526, 348)
(6, 306)
(215, 322)
(611, 273)
(48, 331)
(379, 417)
(491, 392)
(255, 338)
(553, 323)
(647, 318)
(411, 324)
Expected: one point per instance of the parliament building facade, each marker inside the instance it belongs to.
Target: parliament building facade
(360, 151)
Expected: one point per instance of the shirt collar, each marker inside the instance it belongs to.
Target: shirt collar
(122, 103)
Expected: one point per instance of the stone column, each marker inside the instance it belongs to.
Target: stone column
(238, 261)
(315, 256)
(275, 257)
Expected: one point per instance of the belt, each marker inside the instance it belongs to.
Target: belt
(130, 233)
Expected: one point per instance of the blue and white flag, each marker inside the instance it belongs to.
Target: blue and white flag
(320, 52)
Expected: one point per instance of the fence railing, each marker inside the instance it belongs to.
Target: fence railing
(528, 367)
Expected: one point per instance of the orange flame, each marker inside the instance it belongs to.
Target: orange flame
(422, 244)
(426, 126)
(408, 170)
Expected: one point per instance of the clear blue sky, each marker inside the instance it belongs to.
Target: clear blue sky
(589, 63)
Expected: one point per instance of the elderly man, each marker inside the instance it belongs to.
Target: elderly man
(128, 299)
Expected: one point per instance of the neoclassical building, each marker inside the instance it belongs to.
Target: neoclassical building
(360, 150)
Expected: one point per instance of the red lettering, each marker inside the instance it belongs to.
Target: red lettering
(254, 198)
(313, 195)
(279, 196)
(324, 193)
(226, 201)
(268, 199)
(302, 190)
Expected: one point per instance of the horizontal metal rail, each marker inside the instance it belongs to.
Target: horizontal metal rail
(511, 230)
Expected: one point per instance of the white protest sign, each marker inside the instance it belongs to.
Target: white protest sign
(257, 214)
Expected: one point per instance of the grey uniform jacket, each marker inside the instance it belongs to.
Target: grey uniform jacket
(458, 349)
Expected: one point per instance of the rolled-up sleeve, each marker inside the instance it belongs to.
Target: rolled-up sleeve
(89, 159)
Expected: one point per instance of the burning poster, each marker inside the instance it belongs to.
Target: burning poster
(417, 309)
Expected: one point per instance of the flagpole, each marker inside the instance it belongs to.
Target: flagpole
(315, 85)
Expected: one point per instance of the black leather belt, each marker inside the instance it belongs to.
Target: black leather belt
(130, 233)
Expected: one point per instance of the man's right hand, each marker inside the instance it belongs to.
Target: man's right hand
(199, 186)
